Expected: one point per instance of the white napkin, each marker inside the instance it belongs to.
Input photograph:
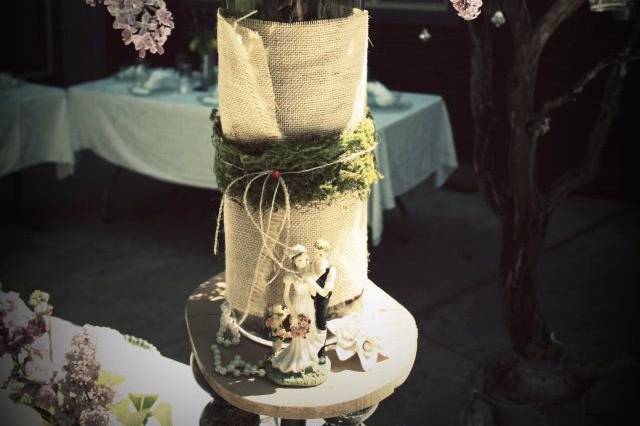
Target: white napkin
(131, 72)
(380, 94)
(158, 78)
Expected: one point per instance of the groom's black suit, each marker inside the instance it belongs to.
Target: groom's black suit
(321, 304)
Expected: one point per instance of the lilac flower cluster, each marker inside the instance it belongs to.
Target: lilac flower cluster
(467, 9)
(75, 397)
(81, 398)
(145, 23)
(19, 327)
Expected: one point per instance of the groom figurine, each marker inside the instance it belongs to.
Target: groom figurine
(326, 279)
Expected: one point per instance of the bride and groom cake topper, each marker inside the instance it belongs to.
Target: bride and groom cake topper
(303, 361)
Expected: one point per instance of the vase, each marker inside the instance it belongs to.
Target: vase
(295, 11)
(558, 397)
(240, 8)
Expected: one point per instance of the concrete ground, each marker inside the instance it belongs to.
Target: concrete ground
(134, 273)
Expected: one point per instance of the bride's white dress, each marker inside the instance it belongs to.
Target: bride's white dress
(302, 352)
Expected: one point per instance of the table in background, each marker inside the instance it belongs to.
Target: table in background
(34, 128)
(167, 136)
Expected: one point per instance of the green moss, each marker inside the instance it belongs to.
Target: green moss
(355, 175)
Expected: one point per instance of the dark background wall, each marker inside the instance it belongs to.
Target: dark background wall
(66, 42)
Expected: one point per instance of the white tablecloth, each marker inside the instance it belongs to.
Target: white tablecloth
(34, 128)
(415, 144)
(167, 136)
(144, 370)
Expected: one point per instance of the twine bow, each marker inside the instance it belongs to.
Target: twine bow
(264, 229)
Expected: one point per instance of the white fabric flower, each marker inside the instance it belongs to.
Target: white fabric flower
(346, 330)
(354, 336)
(368, 349)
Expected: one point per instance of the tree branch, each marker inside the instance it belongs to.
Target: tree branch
(548, 24)
(539, 124)
(571, 95)
(517, 14)
(590, 165)
(525, 127)
(482, 110)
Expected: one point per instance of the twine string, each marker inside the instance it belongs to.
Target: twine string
(221, 209)
(264, 231)
(264, 246)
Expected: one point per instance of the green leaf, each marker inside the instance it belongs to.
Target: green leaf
(120, 407)
(135, 419)
(162, 413)
(149, 400)
(136, 400)
(143, 401)
(108, 379)
(126, 417)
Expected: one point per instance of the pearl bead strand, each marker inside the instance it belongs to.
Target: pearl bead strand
(237, 366)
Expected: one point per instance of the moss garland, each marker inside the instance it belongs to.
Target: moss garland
(355, 175)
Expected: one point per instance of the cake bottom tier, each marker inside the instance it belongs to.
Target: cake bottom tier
(251, 286)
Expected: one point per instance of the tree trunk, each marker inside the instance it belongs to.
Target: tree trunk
(524, 222)
(534, 372)
(522, 243)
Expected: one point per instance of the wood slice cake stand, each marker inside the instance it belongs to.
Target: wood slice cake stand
(348, 396)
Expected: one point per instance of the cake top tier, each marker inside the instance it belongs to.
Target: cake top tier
(291, 80)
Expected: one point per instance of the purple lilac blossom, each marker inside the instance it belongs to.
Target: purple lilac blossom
(70, 397)
(82, 398)
(94, 417)
(19, 326)
(145, 23)
(45, 396)
(467, 9)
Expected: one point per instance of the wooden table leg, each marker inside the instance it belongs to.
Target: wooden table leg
(219, 412)
(353, 419)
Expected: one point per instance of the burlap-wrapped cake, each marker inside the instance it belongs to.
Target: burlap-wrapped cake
(294, 153)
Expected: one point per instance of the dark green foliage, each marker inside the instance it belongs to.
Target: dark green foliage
(354, 170)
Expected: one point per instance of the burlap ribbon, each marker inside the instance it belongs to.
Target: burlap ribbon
(281, 80)
(253, 280)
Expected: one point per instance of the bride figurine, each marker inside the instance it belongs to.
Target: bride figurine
(298, 363)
